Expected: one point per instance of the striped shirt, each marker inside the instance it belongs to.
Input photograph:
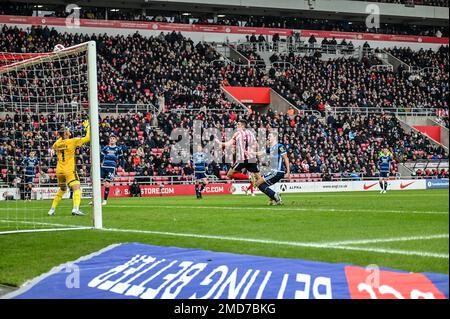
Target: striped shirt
(246, 145)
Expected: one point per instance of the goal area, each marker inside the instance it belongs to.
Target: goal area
(42, 94)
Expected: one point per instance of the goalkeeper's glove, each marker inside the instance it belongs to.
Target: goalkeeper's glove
(85, 124)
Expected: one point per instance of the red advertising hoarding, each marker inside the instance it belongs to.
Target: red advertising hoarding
(253, 95)
(137, 25)
(432, 131)
(170, 190)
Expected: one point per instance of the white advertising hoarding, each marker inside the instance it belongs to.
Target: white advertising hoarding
(347, 186)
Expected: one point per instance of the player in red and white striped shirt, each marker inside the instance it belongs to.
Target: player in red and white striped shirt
(246, 153)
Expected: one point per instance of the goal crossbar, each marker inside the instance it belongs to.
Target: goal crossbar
(30, 59)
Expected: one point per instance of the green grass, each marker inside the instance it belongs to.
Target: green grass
(305, 218)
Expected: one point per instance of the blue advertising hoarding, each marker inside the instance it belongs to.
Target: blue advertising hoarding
(153, 272)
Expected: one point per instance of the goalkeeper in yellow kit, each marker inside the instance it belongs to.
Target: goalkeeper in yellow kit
(65, 148)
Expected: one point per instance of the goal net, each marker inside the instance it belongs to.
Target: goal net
(41, 95)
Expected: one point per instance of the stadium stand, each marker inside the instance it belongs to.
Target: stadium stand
(341, 146)
(135, 71)
(174, 73)
(286, 22)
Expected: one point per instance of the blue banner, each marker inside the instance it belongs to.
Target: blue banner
(153, 272)
(437, 183)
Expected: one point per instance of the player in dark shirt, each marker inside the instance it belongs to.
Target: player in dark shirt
(384, 166)
(29, 164)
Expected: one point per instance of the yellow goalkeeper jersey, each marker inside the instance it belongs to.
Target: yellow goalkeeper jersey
(66, 150)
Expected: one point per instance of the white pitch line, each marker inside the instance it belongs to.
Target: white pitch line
(395, 251)
(285, 243)
(64, 227)
(284, 208)
(42, 230)
(278, 208)
(272, 242)
(385, 240)
(22, 208)
(38, 223)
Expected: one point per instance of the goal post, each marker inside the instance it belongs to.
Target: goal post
(40, 94)
(95, 135)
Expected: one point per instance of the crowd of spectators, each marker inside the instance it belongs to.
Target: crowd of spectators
(432, 173)
(286, 22)
(249, 52)
(311, 83)
(177, 71)
(442, 117)
(172, 72)
(423, 58)
(164, 70)
(345, 144)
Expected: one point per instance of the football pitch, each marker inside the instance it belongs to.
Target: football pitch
(406, 230)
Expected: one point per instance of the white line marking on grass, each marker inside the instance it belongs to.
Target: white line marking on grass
(284, 243)
(38, 223)
(385, 240)
(23, 208)
(394, 251)
(42, 230)
(270, 242)
(284, 208)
